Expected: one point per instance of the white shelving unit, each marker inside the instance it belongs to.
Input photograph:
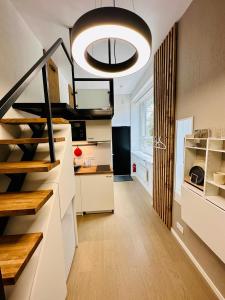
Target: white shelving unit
(209, 153)
(203, 207)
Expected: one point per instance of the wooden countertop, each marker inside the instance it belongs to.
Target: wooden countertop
(91, 170)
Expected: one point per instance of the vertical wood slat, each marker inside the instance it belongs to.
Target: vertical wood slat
(164, 125)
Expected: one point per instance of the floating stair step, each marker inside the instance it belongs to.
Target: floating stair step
(23, 203)
(20, 141)
(24, 121)
(27, 166)
(15, 253)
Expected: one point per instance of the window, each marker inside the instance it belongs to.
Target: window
(146, 122)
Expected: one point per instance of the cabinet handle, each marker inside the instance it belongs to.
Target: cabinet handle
(90, 138)
(109, 176)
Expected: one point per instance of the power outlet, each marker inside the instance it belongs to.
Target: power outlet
(180, 227)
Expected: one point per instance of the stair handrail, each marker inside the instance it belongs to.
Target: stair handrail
(13, 94)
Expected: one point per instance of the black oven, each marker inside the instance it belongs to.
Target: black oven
(78, 130)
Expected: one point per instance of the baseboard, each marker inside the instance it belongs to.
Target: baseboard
(198, 266)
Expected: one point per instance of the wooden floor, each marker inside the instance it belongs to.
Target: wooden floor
(131, 255)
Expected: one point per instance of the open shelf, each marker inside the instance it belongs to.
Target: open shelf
(216, 144)
(187, 179)
(221, 186)
(193, 138)
(196, 148)
(196, 143)
(217, 150)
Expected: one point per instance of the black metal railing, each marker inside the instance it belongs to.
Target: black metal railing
(10, 98)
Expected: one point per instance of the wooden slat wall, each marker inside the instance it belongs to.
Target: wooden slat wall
(164, 125)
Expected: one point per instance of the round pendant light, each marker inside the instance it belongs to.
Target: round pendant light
(111, 23)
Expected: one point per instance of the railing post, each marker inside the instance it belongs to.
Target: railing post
(73, 85)
(2, 291)
(48, 111)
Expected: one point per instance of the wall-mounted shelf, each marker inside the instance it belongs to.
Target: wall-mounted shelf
(188, 180)
(221, 186)
(216, 150)
(196, 143)
(195, 155)
(193, 138)
(195, 148)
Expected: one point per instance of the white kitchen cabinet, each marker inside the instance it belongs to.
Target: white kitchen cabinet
(97, 192)
(78, 196)
(98, 130)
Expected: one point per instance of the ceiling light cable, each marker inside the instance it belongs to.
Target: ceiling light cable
(92, 46)
(115, 51)
(132, 1)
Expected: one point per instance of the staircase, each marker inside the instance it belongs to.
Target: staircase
(16, 250)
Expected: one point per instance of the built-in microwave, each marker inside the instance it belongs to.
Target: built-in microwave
(78, 130)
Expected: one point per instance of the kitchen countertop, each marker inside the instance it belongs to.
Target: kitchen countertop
(91, 170)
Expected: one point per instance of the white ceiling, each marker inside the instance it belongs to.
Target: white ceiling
(50, 19)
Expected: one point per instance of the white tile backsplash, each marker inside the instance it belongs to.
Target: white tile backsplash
(96, 155)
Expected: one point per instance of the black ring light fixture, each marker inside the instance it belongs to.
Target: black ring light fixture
(111, 23)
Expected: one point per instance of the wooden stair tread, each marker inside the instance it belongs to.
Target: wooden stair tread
(23, 121)
(27, 166)
(15, 253)
(19, 141)
(23, 203)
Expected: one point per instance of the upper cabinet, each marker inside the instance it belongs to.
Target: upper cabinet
(98, 130)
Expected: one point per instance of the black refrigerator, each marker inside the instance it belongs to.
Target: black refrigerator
(121, 150)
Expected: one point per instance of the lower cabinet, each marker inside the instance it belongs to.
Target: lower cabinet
(205, 219)
(94, 193)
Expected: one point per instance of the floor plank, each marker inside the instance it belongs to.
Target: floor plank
(131, 255)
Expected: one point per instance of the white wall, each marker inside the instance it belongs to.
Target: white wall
(144, 170)
(143, 162)
(97, 155)
(19, 50)
(121, 110)
(134, 127)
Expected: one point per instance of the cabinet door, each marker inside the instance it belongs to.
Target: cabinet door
(78, 196)
(205, 219)
(97, 192)
(100, 130)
